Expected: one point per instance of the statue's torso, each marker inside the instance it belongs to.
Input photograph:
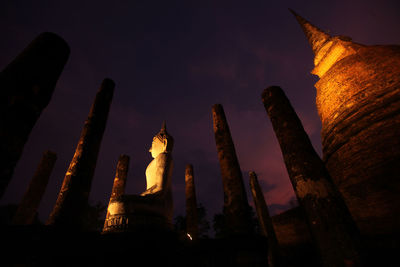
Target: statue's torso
(158, 175)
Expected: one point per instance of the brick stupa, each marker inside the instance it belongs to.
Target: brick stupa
(358, 102)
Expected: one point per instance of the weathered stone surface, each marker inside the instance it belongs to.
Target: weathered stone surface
(73, 197)
(191, 203)
(27, 209)
(358, 101)
(121, 175)
(236, 207)
(315, 36)
(274, 256)
(26, 87)
(295, 242)
(330, 222)
(291, 228)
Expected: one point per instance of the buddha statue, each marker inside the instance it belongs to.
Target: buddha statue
(154, 206)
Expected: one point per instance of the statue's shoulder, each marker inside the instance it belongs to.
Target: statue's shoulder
(164, 156)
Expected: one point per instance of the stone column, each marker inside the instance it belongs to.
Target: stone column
(236, 207)
(73, 197)
(329, 220)
(274, 255)
(191, 203)
(118, 188)
(26, 87)
(26, 211)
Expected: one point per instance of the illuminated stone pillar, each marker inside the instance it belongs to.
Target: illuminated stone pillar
(27, 209)
(26, 87)
(73, 197)
(118, 188)
(358, 102)
(329, 220)
(236, 207)
(274, 256)
(191, 203)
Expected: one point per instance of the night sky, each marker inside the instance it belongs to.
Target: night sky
(172, 61)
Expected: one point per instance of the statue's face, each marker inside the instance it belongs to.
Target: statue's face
(157, 147)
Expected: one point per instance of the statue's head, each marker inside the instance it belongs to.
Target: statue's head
(162, 142)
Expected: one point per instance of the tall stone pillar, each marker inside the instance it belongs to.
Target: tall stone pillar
(191, 203)
(358, 102)
(27, 209)
(26, 87)
(236, 207)
(274, 256)
(329, 220)
(73, 197)
(118, 188)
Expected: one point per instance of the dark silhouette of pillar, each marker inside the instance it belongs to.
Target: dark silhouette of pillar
(27, 209)
(274, 256)
(73, 197)
(26, 87)
(191, 203)
(329, 219)
(118, 188)
(236, 207)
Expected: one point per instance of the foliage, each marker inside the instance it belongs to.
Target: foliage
(220, 226)
(202, 222)
(7, 213)
(254, 221)
(293, 202)
(180, 224)
(94, 217)
(204, 225)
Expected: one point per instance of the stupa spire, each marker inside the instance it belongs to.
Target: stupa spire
(315, 36)
(164, 127)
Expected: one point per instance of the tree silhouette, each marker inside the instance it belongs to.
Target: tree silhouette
(202, 222)
(221, 229)
(94, 217)
(7, 213)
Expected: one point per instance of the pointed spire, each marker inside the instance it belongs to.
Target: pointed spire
(316, 37)
(164, 135)
(163, 127)
(163, 131)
